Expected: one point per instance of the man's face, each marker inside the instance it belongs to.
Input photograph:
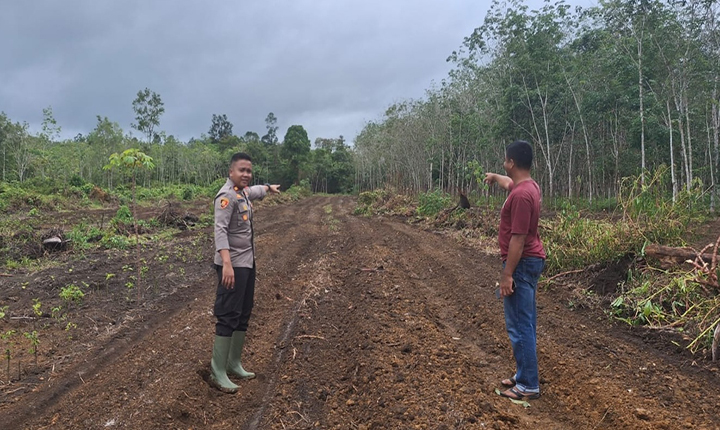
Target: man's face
(508, 164)
(241, 173)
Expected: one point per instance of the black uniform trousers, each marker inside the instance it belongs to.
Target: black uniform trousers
(233, 306)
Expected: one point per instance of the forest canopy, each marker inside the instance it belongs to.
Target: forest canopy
(43, 157)
(602, 93)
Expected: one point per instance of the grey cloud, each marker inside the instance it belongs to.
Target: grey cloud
(329, 65)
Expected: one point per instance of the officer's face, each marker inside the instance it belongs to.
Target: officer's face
(241, 173)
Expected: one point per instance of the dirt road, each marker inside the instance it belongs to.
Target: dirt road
(365, 323)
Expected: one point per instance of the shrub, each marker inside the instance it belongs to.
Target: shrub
(123, 215)
(650, 209)
(187, 193)
(114, 241)
(82, 235)
(432, 202)
(215, 186)
(14, 197)
(87, 188)
(573, 241)
(76, 181)
(648, 215)
(298, 191)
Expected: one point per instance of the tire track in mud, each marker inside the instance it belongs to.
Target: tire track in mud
(566, 363)
(313, 279)
(49, 395)
(360, 358)
(622, 388)
(374, 341)
(319, 241)
(126, 390)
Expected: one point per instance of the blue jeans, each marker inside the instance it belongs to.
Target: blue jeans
(521, 322)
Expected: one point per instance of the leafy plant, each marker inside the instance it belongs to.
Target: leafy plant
(6, 337)
(123, 216)
(34, 339)
(133, 161)
(70, 326)
(432, 202)
(72, 294)
(477, 173)
(55, 312)
(81, 235)
(114, 241)
(37, 307)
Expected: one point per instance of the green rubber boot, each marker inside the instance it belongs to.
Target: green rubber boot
(218, 365)
(234, 365)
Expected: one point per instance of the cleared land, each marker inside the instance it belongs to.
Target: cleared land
(359, 323)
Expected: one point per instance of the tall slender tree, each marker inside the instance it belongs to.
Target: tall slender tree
(148, 108)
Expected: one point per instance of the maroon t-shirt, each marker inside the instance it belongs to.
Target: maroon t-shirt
(520, 215)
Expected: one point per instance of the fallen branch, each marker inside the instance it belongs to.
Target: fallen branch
(310, 336)
(15, 390)
(672, 327)
(7, 275)
(602, 419)
(569, 272)
(716, 340)
(678, 254)
(704, 263)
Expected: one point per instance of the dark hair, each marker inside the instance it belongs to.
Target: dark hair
(239, 156)
(521, 153)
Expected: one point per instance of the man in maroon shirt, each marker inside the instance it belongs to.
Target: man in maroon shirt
(523, 261)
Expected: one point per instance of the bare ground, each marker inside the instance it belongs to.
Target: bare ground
(359, 323)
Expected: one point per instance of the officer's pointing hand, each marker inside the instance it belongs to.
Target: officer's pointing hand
(275, 189)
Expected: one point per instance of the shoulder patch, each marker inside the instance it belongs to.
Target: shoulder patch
(224, 202)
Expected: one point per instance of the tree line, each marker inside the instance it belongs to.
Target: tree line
(602, 93)
(28, 157)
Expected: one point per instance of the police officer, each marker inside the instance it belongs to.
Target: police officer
(235, 265)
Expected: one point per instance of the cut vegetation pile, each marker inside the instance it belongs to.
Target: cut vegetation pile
(170, 216)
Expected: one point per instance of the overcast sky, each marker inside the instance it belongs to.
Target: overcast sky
(328, 65)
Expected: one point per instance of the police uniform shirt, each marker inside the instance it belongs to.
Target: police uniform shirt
(233, 223)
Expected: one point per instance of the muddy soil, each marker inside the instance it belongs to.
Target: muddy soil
(359, 323)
